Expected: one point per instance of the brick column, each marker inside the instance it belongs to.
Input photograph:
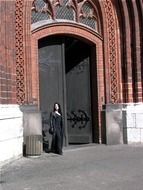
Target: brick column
(126, 65)
(27, 50)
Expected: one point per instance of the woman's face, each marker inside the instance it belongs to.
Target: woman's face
(56, 107)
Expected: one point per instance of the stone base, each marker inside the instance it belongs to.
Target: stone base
(32, 123)
(123, 123)
(11, 133)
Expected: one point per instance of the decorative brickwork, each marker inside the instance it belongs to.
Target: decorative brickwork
(19, 53)
(112, 47)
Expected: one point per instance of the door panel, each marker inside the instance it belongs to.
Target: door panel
(78, 103)
(50, 77)
(51, 80)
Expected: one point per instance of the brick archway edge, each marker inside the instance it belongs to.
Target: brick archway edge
(82, 33)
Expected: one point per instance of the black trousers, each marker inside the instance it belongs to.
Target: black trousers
(57, 142)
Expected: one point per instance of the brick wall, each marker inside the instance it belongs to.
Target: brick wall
(15, 19)
(7, 52)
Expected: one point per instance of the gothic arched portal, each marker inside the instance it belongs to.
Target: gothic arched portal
(93, 22)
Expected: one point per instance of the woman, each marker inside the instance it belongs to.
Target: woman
(57, 124)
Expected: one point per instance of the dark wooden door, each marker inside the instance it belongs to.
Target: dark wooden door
(51, 74)
(51, 77)
(79, 103)
(64, 74)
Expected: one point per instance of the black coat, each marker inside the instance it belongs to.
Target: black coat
(56, 121)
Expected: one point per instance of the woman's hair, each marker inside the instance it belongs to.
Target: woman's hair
(59, 107)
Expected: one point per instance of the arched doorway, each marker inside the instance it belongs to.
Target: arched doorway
(65, 76)
(89, 39)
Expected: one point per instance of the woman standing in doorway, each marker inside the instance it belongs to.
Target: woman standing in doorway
(56, 124)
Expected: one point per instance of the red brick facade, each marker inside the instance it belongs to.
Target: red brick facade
(119, 50)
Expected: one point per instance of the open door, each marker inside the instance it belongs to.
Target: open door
(64, 74)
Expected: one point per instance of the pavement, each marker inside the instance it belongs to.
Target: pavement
(85, 167)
